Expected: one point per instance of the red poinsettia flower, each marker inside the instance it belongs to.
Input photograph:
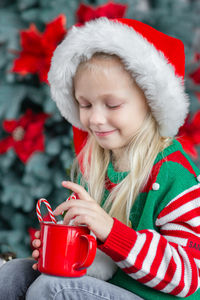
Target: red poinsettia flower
(26, 135)
(189, 135)
(110, 10)
(198, 96)
(197, 56)
(37, 48)
(196, 74)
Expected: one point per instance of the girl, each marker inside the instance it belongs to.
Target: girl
(120, 84)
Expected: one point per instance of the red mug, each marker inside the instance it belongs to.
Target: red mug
(65, 250)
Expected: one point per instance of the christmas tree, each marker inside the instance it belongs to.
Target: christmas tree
(36, 148)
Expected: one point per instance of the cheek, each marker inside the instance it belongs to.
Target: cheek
(83, 118)
(121, 118)
(128, 120)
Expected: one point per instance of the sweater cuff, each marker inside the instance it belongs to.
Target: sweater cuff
(119, 242)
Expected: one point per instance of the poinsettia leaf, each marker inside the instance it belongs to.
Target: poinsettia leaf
(37, 48)
(110, 10)
(195, 75)
(9, 125)
(188, 146)
(196, 119)
(58, 25)
(31, 40)
(25, 64)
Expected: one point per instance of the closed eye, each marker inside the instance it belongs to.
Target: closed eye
(114, 106)
(85, 106)
(89, 105)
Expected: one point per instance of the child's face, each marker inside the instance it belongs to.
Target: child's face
(112, 107)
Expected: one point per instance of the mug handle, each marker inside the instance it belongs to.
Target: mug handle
(92, 247)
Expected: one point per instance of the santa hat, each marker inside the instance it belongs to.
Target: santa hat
(156, 61)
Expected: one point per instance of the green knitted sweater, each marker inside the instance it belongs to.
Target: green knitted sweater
(159, 257)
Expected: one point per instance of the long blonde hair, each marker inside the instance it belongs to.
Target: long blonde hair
(141, 153)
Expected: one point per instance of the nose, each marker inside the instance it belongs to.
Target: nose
(97, 117)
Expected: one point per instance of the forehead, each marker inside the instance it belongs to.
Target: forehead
(110, 66)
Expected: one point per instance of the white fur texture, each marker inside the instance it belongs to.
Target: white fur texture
(150, 68)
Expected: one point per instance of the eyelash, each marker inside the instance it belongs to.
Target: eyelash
(111, 107)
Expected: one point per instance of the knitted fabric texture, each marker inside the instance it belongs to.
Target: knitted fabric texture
(159, 257)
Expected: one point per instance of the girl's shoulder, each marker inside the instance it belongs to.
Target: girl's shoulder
(174, 174)
(172, 150)
(173, 169)
(173, 159)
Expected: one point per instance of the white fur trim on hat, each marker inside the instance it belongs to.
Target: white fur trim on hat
(153, 73)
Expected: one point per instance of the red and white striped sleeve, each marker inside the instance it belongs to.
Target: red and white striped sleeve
(168, 260)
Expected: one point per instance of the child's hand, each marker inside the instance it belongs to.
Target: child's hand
(36, 244)
(85, 211)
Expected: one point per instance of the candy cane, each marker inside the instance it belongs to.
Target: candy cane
(72, 197)
(48, 208)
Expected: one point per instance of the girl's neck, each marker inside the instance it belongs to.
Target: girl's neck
(119, 160)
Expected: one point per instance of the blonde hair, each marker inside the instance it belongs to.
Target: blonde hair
(141, 153)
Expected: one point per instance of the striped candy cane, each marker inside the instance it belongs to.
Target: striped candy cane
(48, 208)
(72, 197)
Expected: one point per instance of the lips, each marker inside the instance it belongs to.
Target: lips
(104, 133)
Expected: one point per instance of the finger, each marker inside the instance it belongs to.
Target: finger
(35, 254)
(75, 212)
(36, 243)
(60, 209)
(35, 267)
(81, 220)
(37, 234)
(78, 189)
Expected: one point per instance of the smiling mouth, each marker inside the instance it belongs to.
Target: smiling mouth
(104, 133)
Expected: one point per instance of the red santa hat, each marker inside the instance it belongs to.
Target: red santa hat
(155, 60)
